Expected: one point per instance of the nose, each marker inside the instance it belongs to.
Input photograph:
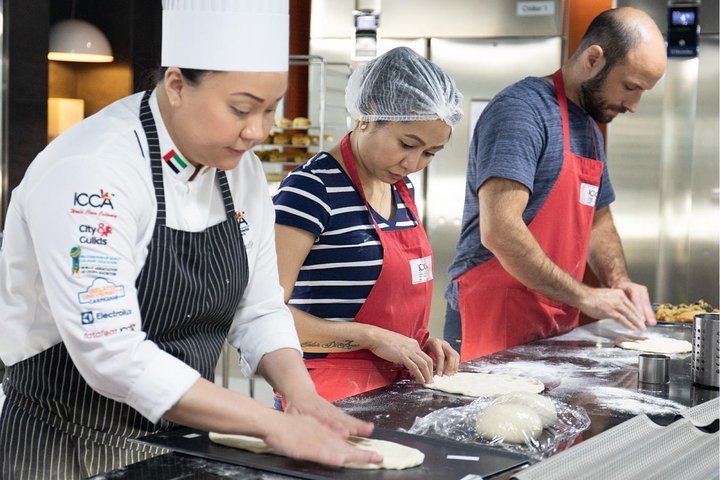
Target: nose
(254, 131)
(411, 161)
(632, 103)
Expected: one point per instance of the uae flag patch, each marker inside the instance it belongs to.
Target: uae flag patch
(175, 161)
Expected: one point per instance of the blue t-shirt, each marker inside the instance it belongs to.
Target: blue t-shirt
(519, 137)
(345, 260)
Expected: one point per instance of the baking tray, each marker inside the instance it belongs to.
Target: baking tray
(444, 458)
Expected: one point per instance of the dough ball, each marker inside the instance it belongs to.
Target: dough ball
(539, 404)
(511, 422)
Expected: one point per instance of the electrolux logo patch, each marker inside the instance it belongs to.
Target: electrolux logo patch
(94, 235)
(94, 200)
(86, 318)
(113, 314)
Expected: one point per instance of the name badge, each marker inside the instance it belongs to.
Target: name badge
(588, 194)
(421, 269)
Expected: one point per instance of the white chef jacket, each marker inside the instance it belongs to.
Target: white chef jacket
(76, 237)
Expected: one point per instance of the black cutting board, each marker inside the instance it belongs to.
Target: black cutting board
(489, 461)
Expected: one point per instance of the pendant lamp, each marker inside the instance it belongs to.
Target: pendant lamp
(78, 41)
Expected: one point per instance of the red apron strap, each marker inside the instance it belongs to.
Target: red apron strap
(562, 101)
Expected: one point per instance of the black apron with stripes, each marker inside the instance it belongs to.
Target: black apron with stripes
(53, 425)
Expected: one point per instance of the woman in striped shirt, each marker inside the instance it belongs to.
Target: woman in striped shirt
(354, 259)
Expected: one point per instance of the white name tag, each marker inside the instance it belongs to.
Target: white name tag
(588, 194)
(421, 269)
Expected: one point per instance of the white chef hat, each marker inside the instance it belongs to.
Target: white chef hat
(226, 35)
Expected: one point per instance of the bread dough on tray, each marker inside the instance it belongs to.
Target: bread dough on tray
(509, 422)
(541, 405)
(395, 455)
(655, 345)
(484, 384)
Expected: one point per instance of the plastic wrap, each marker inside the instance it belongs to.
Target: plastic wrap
(460, 423)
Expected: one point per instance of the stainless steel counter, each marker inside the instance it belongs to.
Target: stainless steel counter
(582, 368)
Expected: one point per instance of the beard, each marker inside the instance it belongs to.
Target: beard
(593, 102)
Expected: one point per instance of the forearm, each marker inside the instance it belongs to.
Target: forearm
(209, 407)
(520, 254)
(605, 254)
(318, 335)
(286, 372)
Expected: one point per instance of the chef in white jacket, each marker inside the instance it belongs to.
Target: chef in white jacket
(137, 242)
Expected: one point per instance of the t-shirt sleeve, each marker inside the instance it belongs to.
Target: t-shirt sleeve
(507, 143)
(302, 202)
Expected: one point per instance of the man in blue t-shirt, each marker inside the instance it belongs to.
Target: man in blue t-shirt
(538, 193)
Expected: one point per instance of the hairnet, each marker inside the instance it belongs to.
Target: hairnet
(402, 86)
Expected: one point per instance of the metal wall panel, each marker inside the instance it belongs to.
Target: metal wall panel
(470, 19)
(449, 18)
(704, 231)
(332, 19)
(481, 69)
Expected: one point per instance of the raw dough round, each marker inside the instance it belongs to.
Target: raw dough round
(395, 455)
(484, 384)
(510, 422)
(543, 406)
(656, 345)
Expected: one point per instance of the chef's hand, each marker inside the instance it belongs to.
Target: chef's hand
(313, 405)
(638, 295)
(445, 357)
(304, 438)
(612, 303)
(401, 350)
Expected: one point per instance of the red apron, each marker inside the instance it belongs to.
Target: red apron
(496, 310)
(399, 301)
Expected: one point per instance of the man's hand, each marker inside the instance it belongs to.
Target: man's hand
(612, 303)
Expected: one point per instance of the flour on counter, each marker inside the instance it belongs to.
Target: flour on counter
(619, 399)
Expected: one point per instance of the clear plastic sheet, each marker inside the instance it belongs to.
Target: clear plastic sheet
(459, 423)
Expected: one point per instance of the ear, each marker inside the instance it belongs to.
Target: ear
(593, 60)
(174, 83)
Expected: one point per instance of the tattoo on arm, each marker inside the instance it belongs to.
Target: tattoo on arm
(343, 345)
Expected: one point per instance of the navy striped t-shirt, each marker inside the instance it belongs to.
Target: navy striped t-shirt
(346, 258)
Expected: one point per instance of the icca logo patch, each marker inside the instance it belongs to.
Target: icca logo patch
(94, 200)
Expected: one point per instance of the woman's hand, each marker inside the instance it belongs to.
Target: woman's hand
(305, 438)
(402, 350)
(313, 405)
(445, 357)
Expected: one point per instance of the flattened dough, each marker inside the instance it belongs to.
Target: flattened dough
(510, 422)
(485, 384)
(656, 345)
(395, 455)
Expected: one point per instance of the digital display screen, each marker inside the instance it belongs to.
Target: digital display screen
(682, 17)
(366, 22)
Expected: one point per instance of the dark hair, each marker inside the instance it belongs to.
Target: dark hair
(614, 36)
(193, 76)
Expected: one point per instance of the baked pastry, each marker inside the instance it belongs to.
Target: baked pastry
(300, 122)
(283, 122)
(314, 140)
(682, 313)
(300, 139)
(280, 139)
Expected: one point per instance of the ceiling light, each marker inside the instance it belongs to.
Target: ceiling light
(78, 41)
